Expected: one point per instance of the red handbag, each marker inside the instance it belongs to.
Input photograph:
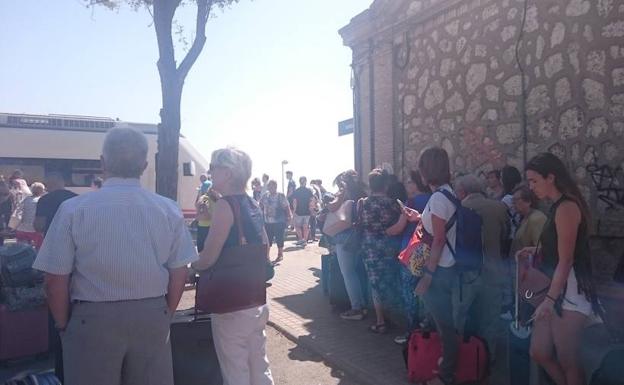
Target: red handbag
(237, 280)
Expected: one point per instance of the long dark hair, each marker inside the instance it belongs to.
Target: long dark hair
(350, 181)
(548, 164)
(511, 178)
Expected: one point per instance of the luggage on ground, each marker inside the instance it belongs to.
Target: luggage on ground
(325, 260)
(24, 297)
(519, 359)
(16, 262)
(23, 333)
(424, 350)
(45, 378)
(338, 296)
(473, 365)
(195, 360)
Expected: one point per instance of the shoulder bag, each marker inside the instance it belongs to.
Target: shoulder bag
(339, 220)
(417, 251)
(237, 280)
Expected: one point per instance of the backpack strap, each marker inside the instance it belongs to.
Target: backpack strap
(451, 222)
(457, 203)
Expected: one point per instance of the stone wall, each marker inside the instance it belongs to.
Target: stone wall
(494, 87)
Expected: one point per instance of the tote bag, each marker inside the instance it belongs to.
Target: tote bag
(237, 280)
(339, 220)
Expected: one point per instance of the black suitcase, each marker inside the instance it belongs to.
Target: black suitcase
(338, 296)
(195, 360)
(325, 259)
(519, 359)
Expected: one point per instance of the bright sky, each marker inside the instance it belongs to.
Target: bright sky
(273, 78)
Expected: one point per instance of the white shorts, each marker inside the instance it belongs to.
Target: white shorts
(575, 301)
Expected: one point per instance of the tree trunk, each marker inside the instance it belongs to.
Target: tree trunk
(171, 82)
(171, 89)
(168, 142)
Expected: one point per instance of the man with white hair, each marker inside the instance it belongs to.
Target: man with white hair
(115, 262)
(482, 296)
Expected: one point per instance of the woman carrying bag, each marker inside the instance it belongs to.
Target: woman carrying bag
(347, 242)
(570, 300)
(233, 271)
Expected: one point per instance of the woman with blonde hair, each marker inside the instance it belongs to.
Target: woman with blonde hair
(239, 335)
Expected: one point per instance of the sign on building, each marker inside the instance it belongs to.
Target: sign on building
(345, 127)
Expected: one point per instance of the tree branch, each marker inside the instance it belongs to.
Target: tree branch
(203, 11)
(164, 10)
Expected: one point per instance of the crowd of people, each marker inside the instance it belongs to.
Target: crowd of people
(541, 220)
(116, 258)
(28, 210)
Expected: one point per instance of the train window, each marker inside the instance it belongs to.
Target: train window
(188, 168)
(77, 172)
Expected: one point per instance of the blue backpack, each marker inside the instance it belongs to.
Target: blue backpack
(468, 250)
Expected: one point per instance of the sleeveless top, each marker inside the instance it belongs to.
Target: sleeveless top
(549, 241)
(251, 220)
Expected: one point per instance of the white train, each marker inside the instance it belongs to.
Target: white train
(72, 145)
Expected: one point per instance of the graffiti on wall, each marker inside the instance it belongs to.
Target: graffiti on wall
(609, 184)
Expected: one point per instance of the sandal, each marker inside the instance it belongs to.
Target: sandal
(379, 329)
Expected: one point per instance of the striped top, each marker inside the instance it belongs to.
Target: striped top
(117, 243)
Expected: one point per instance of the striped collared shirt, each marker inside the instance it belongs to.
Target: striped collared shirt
(118, 243)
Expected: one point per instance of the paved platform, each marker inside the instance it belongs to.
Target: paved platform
(301, 311)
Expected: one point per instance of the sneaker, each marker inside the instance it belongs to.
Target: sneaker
(300, 242)
(352, 315)
(402, 339)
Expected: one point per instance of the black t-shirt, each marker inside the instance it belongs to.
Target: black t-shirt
(303, 195)
(291, 188)
(48, 204)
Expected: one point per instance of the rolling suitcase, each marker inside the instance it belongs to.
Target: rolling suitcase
(424, 350)
(325, 260)
(195, 360)
(23, 333)
(338, 297)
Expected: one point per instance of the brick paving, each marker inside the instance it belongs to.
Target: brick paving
(301, 311)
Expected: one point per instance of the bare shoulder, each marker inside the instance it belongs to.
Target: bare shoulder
(568, 211)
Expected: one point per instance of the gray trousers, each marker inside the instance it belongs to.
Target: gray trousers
(439, 302)
(115, 343)
(482, 298)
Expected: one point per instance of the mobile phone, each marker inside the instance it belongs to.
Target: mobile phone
(405, 208)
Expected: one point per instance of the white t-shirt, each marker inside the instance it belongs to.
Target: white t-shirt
(440, 206)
